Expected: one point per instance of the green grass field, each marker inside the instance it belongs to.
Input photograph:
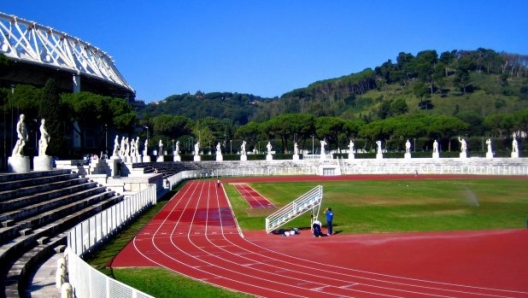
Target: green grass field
(404, 206)
(359, 207)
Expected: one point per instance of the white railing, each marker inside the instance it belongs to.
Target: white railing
(93, 232)
(310, 201)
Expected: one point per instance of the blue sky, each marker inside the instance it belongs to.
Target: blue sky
(267, 48)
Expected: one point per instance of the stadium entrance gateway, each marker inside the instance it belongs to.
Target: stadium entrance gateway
(308, 202)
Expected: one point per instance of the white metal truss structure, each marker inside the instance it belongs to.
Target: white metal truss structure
(310, 201)
(30, 42)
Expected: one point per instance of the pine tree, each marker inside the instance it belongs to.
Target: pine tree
(50, 110)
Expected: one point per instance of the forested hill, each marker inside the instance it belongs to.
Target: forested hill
(468, 84)
(237, 107)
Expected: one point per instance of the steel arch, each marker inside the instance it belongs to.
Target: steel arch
(30, 42)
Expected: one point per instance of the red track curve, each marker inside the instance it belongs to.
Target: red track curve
(197, 235)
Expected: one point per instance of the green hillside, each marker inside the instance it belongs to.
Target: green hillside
(475, 83)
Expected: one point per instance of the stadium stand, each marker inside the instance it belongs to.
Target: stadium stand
(36, 211)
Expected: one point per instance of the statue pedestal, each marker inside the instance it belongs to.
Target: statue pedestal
(269, 157)
(351, 156)
(436, 155)
(146, 158)
(407, 156)
(18, 164)
(463, 155)
(42, 163)
(197, 158)
(379, 155)
(219, 157)
(296, 157)
(515, 154)
(176, 158)
(489, 154)
(160, 159)
(243, 157)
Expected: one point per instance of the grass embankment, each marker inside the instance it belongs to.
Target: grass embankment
(359, 207)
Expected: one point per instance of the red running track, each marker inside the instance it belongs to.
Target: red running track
(197, 236)
(254, 199)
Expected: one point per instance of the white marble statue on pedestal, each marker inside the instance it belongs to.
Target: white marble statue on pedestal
(351, 150)
(379, 153)
(268, 155)
(176, 153)
(122, 147)
(295, 151)
(145, 150)
(43, 162)
(243, 153)
(407, 149)
(323, 150)
(219, 156)
(22, 137)
(436, 154)
(161, 153)
(115, 152)
(44, 138)
(197, 151)
(18, 163)
(463, 148)
(127, 147)
(515, 148)
(138, 155)
(489, 153)
(146, 156)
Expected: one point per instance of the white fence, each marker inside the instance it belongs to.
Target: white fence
(93, 232)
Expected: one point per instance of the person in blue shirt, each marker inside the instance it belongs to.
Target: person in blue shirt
(329, 218)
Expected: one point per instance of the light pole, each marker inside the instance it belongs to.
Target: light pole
(106, 139)
(231, 144)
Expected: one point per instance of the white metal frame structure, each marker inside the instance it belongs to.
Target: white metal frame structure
(27, 41)
(310, 201)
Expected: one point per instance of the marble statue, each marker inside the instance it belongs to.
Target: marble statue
(160, 145)
(407, 147)
(243, 148)
(295, 149)
(379, 147)
(219, 149)
(197, 149)
(133, 147)
(127, 147)
(463, 145)
(515, 146)
(22, 136)
(268, 146)
(44, 138)
(137, 146)
(177, 148)
(351, 146)
(488, 142)
(145, 151)
(323, 143)
(435, 146)
(115, 152)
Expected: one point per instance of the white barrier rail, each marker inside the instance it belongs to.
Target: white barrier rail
(93, 232)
